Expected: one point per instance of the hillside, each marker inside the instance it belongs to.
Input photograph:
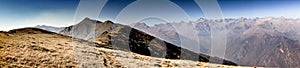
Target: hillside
(31, 47)
(126, 38)
(250, 42)
(268, 48)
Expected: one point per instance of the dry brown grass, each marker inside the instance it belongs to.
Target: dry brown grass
(32, 50)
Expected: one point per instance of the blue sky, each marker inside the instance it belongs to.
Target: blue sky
(260, 8)
(27, 13)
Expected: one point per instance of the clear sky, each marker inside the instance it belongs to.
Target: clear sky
(26, 13)
(29, 13)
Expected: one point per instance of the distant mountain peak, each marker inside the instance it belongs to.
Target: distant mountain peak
(39, 25)
(49, 28)
(86, 18)
(108, 21)
(141, 24)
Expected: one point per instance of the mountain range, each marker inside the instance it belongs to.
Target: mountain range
(270, 41)
(50, 28)
(92, 43)
(126, 38)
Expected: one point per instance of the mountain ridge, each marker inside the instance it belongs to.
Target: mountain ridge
(243, 29)
(49, 49)
(240, 30)
(138, 41)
